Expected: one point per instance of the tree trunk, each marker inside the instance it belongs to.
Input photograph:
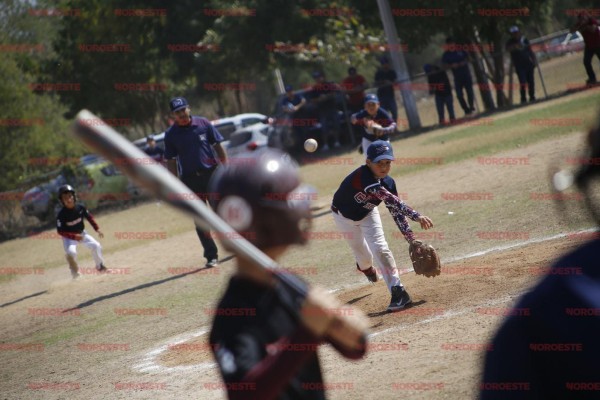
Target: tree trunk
(481, 77)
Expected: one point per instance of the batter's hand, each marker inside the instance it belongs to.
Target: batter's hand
(100, 234)
(78, 237)
(425, 222)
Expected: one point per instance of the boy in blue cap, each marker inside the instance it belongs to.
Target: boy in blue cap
(355, 213)
(376, 121)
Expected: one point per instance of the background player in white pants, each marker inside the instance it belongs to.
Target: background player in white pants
(355, 213)
(69, 225)
(377, 122)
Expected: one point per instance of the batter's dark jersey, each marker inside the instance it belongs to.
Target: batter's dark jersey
(192, 145)
(352, 199)
(550, 341)
(382, 118)
(69, 221)
(260, 346)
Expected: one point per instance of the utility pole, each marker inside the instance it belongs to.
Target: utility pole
(399, 64)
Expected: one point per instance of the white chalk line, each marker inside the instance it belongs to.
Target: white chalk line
(148, 363)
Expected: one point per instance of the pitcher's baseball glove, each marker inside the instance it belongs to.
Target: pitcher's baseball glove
(424, 258)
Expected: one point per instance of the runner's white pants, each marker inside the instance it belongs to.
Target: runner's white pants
(367, 241)
(88, 241)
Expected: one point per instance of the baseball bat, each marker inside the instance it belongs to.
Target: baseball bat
(348, 331)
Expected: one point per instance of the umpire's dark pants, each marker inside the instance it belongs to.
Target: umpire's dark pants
(198, 183)
(526, 81)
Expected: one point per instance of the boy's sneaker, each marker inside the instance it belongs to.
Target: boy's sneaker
(370, 273)
(75, 274)
(212, 263)
(400, 299)
(101, 268)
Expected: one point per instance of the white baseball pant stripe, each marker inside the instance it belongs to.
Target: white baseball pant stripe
(367, 241)
(88, 241)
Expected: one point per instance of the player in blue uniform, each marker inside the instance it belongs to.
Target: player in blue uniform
(355, 213)
(371, 116)
(69, 225)
(190, 147)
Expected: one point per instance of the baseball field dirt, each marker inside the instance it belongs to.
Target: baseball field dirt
(140, 331)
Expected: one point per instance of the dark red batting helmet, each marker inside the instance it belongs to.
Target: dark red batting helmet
(262, 198)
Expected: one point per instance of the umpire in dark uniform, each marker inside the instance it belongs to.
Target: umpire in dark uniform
(193, 150)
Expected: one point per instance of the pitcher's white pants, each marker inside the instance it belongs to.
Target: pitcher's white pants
(367, 242)
(88, 241)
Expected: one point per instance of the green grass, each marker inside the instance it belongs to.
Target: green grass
(495, 134)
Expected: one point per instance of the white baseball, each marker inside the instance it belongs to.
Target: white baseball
(310, 145)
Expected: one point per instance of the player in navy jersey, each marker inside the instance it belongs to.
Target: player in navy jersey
(377, 122)
(355, 213)
(69, 225)
(190, 147)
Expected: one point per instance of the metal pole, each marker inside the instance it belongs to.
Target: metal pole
(399, 64)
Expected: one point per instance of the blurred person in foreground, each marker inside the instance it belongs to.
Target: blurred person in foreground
(264, 335)
(588, 27)
(551, 350)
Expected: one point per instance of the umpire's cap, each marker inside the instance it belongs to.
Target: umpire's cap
(177, 104)
(263, 199)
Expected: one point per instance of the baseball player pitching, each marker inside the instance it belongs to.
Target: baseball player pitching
(355, 212)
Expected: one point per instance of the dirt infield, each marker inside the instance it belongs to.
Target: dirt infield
(140, 331)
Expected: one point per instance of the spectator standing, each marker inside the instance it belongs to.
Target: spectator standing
(524, 61)
(385, 78)
(323, 98)
(588, 27)
(439, 84)
(458, 61)
(153, 151)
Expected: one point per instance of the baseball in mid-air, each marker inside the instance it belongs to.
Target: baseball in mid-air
(310, 145)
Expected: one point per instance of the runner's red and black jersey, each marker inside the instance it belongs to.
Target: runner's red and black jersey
(69, 221)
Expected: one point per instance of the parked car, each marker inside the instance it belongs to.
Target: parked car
(253, 137)
(565, 44)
